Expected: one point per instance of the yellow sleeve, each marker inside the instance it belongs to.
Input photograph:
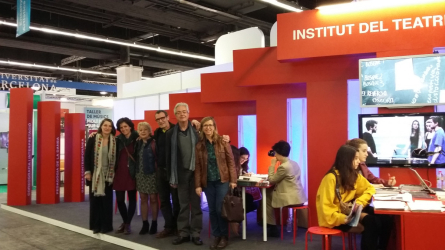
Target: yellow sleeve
(328, 205)
(364, 191)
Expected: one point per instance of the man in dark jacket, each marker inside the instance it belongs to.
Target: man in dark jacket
(163, 177)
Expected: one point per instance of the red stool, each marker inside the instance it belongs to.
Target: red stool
(294, 214)
(327, 233)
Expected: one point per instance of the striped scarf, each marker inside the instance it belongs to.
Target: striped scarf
(100, 178)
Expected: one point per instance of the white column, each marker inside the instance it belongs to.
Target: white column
(126, 74)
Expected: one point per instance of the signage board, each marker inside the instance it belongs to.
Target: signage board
(93, 117)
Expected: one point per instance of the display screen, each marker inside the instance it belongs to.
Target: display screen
(403, 139)
(4, 139)
(402, 81)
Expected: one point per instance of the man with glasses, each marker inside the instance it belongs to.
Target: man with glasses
(180, 151)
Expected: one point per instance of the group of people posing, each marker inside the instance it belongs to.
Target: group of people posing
(180, 161)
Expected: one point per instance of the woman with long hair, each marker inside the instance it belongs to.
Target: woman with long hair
(125, 173)
(214, 171)
(362, 148)
(341, 185)
(415, 138)
(244, 160)
(145, 155)
(100, 159)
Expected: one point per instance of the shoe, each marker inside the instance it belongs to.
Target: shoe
(181, 240)
(154, 227)
(165, 233)
(273, 231)
(145, 226)
(215, 243)
(197, 241)
(96, 231)
(120, 229)
(222, 243)
(104, 231)
(127, 229)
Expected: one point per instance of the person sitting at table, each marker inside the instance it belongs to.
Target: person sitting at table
(338, 188)
(287, 189)
(362, 148)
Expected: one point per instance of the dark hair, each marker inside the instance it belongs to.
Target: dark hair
(415, 132)
(356, 142)
(343, 163)
(162, 111)
(436, 119)
(124, 120)
(236, 156)
(244, 151)
(113, 129)
(370, 124)
(282, 148)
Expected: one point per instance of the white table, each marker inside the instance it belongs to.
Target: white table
(263, 192)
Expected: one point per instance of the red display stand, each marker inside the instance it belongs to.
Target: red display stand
(20, 147)
(48, 152)
(74, 157)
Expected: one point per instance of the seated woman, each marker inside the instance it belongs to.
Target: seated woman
(340, 186)
(362, 148)
(288, 189)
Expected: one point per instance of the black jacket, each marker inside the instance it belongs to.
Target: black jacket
(149, 168)
(160, 138)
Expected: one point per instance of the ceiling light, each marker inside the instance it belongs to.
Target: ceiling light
(35, 88)
(368, 5)
(57, 68)
(106, 40)
(63, 99)
(103, 93)
(282, 5)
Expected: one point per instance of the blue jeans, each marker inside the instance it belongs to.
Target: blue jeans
(215, 192)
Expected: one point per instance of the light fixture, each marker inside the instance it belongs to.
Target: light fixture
(63, 99)
(103, 93)
(283, 5)
(369, 5)
(106, 40)
(35, 88)
(56, 68)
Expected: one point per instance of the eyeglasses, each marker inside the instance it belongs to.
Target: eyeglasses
(160, 118)
(207, 125)
(181, 112)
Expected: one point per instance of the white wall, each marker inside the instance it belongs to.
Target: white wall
(273, 35)
(70, 106)
(243, 39)
(192, 78)
(145, 103)
(3, 99)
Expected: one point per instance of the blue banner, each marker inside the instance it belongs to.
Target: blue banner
(8, 81)
(23, 16)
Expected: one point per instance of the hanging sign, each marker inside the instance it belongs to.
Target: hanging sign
(23, 16)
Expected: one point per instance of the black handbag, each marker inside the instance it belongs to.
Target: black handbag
(232, 207)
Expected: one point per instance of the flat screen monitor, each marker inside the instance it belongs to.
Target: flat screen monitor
(4, 139)
(403, 139)
(402, 81)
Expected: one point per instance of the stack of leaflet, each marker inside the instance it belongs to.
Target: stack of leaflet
(389, 205)
(440, 193)
(426, 206)
(253, 180)
(391, 201)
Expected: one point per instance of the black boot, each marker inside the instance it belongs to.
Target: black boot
(154, 227)
(145, 226)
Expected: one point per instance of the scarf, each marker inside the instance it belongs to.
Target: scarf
(100, 178)
(174, 153)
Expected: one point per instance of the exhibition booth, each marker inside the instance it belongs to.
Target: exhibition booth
(304, 90)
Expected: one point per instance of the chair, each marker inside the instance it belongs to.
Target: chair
(294, 214)
(328, 233)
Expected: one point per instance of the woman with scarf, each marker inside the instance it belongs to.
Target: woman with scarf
(145, 156)
(124, 181)
(100, 158)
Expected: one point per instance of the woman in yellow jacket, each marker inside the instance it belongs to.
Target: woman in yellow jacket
(343, 176)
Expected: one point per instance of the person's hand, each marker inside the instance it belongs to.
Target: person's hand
(232, 185)
(273, 162)
(88, 177)
(392, 180)
(198, 191)
(138, 139)
(92, 134)
(247, 174)
(174, 185)
(196, 124)
(347, 220)
(226, 138)
(375, 155)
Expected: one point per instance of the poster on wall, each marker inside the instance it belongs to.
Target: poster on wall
(93, 117)
(402, 81)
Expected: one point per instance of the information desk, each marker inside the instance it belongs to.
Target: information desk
(263, 193)
(417, 230)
